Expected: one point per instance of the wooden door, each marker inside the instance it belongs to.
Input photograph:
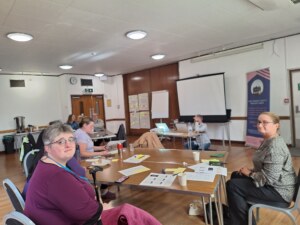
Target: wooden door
(88, 105)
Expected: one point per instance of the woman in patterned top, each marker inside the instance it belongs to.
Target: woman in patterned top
(271, 181)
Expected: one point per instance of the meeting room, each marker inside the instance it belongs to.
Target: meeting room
(150, 112)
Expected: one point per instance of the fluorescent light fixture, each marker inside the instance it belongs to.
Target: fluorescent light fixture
(158, 56)
(99, 74)
(136, 34)
(65, 67)
(229, 52)
(21, 37)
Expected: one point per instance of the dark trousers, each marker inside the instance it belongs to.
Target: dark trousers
(240, 189)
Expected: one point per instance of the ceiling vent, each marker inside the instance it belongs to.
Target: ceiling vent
(268, 5)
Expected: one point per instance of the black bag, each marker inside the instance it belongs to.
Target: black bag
(225, 210)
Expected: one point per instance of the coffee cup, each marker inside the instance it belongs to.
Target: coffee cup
(182, 179)
(196, 155)
(131, 147)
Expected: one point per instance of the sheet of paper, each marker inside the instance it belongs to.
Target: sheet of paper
(134, 170)
(158, 179)
(205, 168)
(143, 100)
(136, 158)
(207, 177)
(145, 120)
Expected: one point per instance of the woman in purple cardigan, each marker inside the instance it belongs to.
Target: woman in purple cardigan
(57, 195)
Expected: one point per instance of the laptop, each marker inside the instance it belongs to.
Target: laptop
(181, 127)
(162, 127)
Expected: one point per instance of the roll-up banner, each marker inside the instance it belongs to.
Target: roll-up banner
(258, 101)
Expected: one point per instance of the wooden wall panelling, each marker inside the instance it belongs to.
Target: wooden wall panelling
(164, 78)
(146, 81)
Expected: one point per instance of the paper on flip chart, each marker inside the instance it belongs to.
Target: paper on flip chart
(207, 177)
(134, 170)
(158, 180)
(136, 158)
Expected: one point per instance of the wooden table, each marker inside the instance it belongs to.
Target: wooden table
(167, 158)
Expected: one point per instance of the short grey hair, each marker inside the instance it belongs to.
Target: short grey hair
(55, 130)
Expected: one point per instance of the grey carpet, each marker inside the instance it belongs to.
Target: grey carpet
(295, 152)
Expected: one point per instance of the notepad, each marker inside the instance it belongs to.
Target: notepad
(134, 170)
(217, 155)
(175, 170)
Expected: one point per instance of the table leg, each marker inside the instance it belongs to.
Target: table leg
(204, 208)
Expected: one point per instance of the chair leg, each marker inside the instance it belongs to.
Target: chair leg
(257, 214)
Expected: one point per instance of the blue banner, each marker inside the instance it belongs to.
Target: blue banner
(258, 101)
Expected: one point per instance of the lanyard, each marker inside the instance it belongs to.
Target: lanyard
(69, 170)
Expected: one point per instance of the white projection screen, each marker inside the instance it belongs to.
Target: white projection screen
(203, 95)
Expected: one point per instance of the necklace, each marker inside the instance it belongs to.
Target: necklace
(68, 169)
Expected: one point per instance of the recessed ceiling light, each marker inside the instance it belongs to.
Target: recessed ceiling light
(136, 34)
(22, 37)
(66, 67)
(99, 74)
(158, 56)
(0, 69)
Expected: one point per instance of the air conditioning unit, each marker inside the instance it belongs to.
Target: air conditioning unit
(103, 77)
(268, 5)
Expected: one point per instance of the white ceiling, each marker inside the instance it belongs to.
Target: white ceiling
(68, 31)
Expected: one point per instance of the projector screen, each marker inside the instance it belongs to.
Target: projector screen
(203, 95)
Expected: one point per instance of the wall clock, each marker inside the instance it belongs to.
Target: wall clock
(73, 80)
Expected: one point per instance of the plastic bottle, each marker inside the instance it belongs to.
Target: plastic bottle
(190, 129)
(120, 150)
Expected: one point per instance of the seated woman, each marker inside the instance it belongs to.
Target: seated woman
(271, 181)
(57, 195)
(86, 144)
(202, 140)
(72, 122)
(88, 149)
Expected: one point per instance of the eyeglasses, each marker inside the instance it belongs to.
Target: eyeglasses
(63, 141)
(264, 123)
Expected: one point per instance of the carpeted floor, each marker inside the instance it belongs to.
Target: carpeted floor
(295, 152)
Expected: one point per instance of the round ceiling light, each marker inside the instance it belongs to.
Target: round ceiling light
(66, 67)
(22, 37)
(136, 34)
(99, 74)
(158, 56)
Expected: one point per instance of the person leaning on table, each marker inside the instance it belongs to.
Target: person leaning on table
(202, 140)
(57, 195)
(85, 142)
(88, 149)
(272, 179)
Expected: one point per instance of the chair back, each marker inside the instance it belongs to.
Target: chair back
(14, 195)
(28, 160)
(296, 198)
(17, 218)
(121, 135)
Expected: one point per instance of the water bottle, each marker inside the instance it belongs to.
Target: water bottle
(190, 129)
(120, 150)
